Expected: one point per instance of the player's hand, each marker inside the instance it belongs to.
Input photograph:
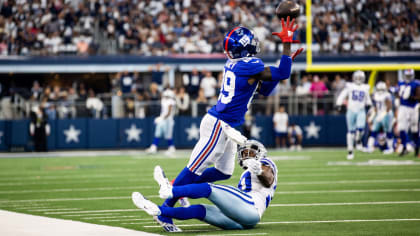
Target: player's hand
(338, 108)
(296, 53)
(233, 134)
(286, 34)
(158, 120)
(254, 166)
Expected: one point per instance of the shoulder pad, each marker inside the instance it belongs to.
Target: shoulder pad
(248, 66)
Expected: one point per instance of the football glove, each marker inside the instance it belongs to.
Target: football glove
(254, 166)
(233, 134)
(286, 35)
(158, 119)
(296, 53)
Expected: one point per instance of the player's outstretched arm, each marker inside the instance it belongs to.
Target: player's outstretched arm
(272, 75)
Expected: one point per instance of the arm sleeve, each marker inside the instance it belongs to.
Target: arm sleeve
(277, 74)
(341, 97)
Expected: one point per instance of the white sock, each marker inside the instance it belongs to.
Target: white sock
(350, 141)
(389, 143)
(371, 143)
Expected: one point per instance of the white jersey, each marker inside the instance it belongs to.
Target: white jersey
(380, 99)
(357, 97)
(166, 103)
(261, 195)
(280, 120)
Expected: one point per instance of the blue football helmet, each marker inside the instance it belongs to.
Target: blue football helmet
(241, 42)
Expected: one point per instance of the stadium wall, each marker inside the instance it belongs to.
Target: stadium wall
(115, 133)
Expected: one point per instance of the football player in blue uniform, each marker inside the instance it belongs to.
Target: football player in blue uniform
(408, 116)
(250, 199)
(244, 75)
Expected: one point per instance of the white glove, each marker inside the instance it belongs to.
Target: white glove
(254, 166)
(158, 119)
(233, 134)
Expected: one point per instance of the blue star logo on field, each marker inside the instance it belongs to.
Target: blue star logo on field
(312, 130)
(193, 132)
(72, 134)
(133, 134)
(255, 131)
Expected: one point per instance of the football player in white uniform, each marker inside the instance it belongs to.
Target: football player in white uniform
(234, 208)
(383, 118)
(357, 94)
(165, 123)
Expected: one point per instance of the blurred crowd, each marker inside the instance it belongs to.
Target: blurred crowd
(133, 94)
(162, 27)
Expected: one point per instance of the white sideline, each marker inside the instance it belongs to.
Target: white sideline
(18, 224)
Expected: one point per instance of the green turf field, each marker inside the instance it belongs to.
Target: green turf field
(319, 192)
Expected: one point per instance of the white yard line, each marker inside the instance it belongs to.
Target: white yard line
(349, 182)
(108, 217)
(17, 224)
(55, 209)
(65, 199)
(24, 183)
(76, 189)
(350, 191)
(344, 203)
(139, 223)
(93, 211)
(118, 220)
(230, 234)
(100, 214)
(301, 222)
(336, 221)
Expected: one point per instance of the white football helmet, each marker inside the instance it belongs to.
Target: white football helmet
(359, 77)
(408, 75)
(381, 86)
(251, 149)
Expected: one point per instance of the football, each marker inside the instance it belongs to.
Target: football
(288, 8)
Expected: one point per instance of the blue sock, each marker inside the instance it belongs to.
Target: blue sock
(184, 213)
(415, 138)
(193, 191)
(373, 134)
(211, 175)
(403, 137)
(183, 178)
(170, 142)
(156, 141)
(389, 135)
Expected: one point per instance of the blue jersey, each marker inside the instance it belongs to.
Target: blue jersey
(236, 93)
(406, 88)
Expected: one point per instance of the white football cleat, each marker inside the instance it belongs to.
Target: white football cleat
(359, 147)
(168, 227)
(144, 204)
(152, 149)
(171, 151)
(299, 148)
(350, 156)
(388, 151)
(165, 190)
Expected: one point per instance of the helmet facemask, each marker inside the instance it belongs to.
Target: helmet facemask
(408, 75)
(251, 150)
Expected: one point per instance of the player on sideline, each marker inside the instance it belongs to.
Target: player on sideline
(165, 123)
(384, 116)
(408, 116)
(234, 208)
(243, 76)
(357, 94)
